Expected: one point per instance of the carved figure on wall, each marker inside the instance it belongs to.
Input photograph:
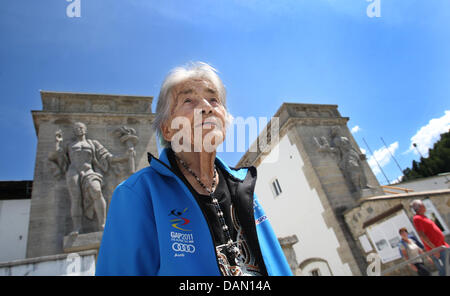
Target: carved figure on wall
(128, 136)
(83, 162)
(349, 159)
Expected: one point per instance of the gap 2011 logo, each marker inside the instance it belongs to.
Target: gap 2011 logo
(182, 242)
(179, 220)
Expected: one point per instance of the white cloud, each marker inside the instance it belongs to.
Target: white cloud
(355, 129)
(382, 156)
(398, 180)
(428, 134)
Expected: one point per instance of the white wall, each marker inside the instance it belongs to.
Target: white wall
(297, 210)
(14, 218)
(77, 264)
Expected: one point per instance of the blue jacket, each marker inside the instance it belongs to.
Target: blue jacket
(142, 237)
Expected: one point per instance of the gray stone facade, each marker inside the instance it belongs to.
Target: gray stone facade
(333, 162)
(108, 118)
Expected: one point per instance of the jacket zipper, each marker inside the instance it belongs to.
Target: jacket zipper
(256, 230)
(253, 224)
(203, 213)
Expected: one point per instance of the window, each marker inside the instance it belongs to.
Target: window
(315, 272)
(276, 188)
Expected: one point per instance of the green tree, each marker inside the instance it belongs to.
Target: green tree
(438, 161)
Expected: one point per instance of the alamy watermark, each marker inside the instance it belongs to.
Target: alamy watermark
(374, 268)
(374, 8)
(74, 8)
(210, 134)
(73, 267)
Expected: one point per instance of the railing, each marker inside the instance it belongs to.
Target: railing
(406, 190)
(429, 253)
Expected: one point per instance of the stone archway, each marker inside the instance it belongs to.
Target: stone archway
(315, 266)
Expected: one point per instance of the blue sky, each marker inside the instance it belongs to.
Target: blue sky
(390, 75)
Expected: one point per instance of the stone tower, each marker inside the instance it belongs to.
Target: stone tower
(87, 144)
(330, 171)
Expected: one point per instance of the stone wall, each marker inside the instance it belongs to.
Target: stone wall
(334, 164)
(103, 115)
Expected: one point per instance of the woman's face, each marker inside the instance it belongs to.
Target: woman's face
(196, 115)
(404, 234)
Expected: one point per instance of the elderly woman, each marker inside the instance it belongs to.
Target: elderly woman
(189, 213)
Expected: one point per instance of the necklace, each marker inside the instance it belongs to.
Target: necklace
(229, 245)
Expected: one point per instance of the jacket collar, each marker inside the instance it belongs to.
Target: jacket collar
(162, 166)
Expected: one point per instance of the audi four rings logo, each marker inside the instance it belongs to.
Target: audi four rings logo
(179, 247)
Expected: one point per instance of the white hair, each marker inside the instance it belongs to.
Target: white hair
(176, 76)
(416, 204)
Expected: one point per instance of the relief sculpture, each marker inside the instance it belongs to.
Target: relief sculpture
(84, 162)
(348, 158)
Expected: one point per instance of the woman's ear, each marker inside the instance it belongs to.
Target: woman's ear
(165, 132)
